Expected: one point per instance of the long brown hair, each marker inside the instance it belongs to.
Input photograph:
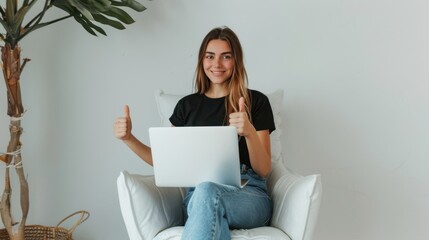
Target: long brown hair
(237, 84)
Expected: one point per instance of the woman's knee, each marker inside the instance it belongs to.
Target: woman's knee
(205, 196)
(206, 190)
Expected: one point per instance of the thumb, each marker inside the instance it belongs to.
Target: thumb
(127, 111)
(241, 105)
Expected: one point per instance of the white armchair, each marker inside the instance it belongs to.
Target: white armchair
(156, 213)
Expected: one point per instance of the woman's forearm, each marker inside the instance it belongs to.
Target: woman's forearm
(143, 151)
(258, 145)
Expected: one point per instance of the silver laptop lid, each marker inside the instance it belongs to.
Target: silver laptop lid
(186, 156)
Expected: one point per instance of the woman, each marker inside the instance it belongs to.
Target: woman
(222, 98)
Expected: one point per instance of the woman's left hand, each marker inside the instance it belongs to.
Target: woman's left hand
(240, 120)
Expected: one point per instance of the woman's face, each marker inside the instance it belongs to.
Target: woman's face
(218, 61)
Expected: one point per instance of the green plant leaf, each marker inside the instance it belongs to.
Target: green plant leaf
(102, 19)
(5, 25)
(107, 12)
(10, 9)
(119, 14)
(66, 6)
(85, 25)
(81, 8)
(19, 16)
(85, 12)
(129, 3)
(2, 12)
(97, 28)
(89, 25)
(99, 5)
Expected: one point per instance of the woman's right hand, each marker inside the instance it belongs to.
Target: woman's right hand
(122, 126)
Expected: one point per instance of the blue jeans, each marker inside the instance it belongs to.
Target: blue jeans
(212, 209)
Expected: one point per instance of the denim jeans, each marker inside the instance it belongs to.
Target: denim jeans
(212, 209)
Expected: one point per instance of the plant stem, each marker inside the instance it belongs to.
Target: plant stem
(11, 66)
(39, 14)
(56, 20)
(30, 29)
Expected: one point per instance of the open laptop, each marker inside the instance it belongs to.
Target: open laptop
(187, 156)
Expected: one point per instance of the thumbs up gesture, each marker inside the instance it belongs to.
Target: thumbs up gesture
(240, 120)
(122, 126)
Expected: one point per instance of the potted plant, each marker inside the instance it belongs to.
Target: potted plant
(13, 13)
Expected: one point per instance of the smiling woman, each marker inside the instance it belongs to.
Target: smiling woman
(222, 98)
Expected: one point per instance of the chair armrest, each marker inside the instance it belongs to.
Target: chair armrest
(296, 202)
(147, 209)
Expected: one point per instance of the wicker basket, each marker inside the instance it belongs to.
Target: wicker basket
(39, 232)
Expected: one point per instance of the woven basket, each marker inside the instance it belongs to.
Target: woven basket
(39, 232)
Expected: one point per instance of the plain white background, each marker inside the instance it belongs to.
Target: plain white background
(356, 109)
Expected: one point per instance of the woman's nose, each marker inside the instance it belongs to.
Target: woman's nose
(217, 62)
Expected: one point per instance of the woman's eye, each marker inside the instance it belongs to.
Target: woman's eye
(227, 56)
(209, 56)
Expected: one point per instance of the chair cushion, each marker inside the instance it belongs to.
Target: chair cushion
(296, 201)
(261, 233)
(143, 205)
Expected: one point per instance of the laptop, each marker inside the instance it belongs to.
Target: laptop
(187, 156)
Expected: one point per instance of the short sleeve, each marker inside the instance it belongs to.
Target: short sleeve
(262, 113)
(178, 116)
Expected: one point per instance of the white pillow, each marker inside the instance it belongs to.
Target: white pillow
(296, 202)
(167, 102)
(146, 209)
(276, 101)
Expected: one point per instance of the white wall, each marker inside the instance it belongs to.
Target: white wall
(355, 75)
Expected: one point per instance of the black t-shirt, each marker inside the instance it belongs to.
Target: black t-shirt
(199, 110)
